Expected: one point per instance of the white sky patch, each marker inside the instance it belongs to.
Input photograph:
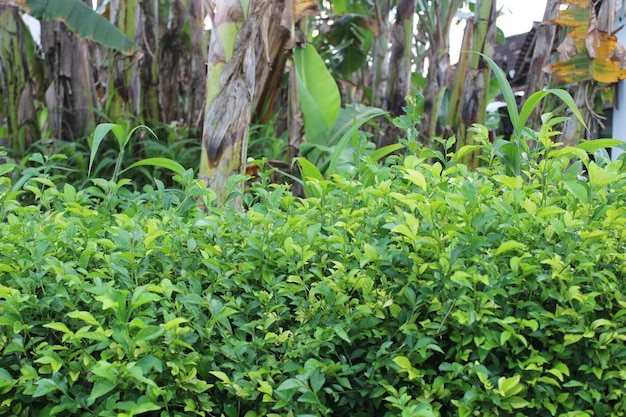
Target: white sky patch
(34, 26)
(516, 16)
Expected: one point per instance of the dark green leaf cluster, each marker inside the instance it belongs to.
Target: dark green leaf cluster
(426, 290)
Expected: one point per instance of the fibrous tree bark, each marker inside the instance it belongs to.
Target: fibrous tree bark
(473, 84)
(20, 79)
(544, 43)
(380, 60)
(124, 86)
(398, 84)
(436, 18)
(230, 87)
(71, 97)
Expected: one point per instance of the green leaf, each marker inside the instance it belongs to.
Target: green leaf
(290, 384)
(6, 168)
(221, 376)
(349, 120)
(319, 83)
(84, 316)
(578, 190)
(308, 169)
(528, 107)
(592, 145)
(567, 99)
(314, 124)
(511, 157)
(149, 333)
(161, 163)
(61, 327)
(145, 404)
(507, 92)
(360, 118)
(317, 380)
(384, 151)
(6, 381)
(509, 246)
(341, 333)
(83, 20)
(100, 388)
(99, 135)
(509, 387)
(44, 386)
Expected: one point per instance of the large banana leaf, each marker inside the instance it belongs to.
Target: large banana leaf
(318, 92)
(81, 19)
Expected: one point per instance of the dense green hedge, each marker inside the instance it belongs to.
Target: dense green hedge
(419, 289)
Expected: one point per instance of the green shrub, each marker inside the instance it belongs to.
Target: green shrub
(424, 290)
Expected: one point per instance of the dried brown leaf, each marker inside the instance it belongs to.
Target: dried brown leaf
(618, 54)
(567, 49)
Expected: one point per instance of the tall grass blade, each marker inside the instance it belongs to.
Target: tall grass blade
(99, 135)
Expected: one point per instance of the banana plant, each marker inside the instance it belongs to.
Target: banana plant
(436, 18)
(590, 55)
(80, 18)
(21, 79)
(327, 125)
(469, 98)
(24, 76)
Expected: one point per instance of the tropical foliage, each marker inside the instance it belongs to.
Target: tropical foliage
(367, 274)
(407, 288)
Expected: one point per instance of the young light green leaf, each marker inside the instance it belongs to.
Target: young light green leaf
(592, 145)
(221, 376)
(61, 327)
(465, 150)
(380, 153)
(149, 333)
(578, 190)
(510, 245)
(509, 387)
(85, 316)
(308, 169)
(99, 135)
(161, 163)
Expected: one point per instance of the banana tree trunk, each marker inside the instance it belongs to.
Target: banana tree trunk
(274, 51)
(123, 88)
(437, 22)
(573, 130)
(398, 86)
(544, 42)
(380, 61)
(148, 32)
(20, 78)
(476, 84)
(71, 97)
(230, 86)
(182, 63)
(197, 64)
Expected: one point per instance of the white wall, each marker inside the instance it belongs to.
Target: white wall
(619, 114)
